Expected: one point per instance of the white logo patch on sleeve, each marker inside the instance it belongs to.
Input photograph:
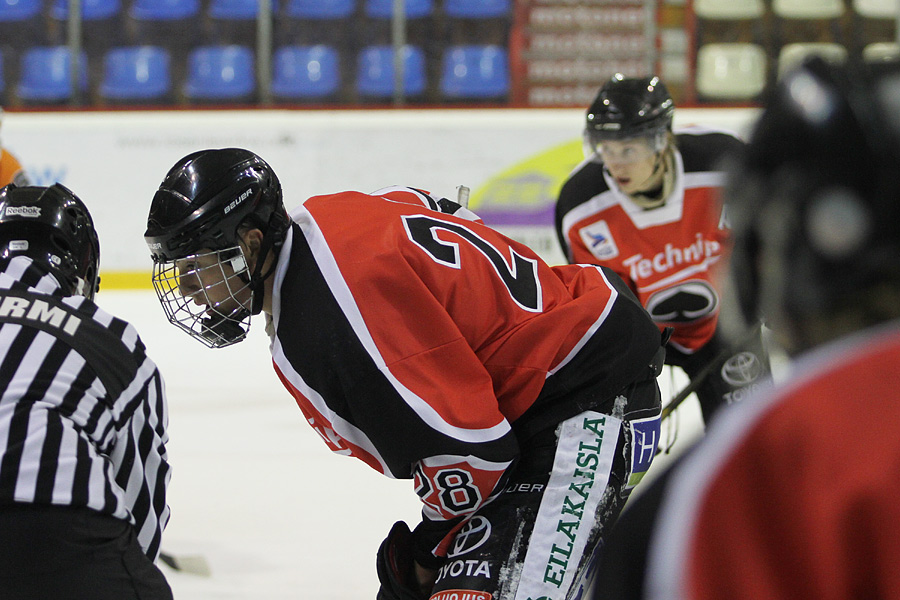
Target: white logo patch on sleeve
(598, 239)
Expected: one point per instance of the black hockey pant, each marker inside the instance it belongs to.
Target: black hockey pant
(64, 553)
(540, 537)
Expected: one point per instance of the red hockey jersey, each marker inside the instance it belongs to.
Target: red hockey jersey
(671, 256)
(429, 345)
(795, 495)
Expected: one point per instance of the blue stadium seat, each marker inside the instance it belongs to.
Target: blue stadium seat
(383, 9)
(319, 9)
(474, 72)
(306, 72)
(165, 10)
(91, 10)
(375, 71)
(477, 9)
(19, 10)
(236, 10)
(220, 73)
(46, 74)
(136, 73)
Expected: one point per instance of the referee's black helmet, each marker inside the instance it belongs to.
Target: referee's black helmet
(53, 227)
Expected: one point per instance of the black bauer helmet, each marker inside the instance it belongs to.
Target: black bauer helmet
(629, 107)
(206, 196)
(199, 207)
(53, 227)
(814, 198)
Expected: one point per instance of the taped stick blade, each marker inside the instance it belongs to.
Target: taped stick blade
(193, 564)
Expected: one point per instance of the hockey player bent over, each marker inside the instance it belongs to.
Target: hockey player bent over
(520, 399)
(645, 203)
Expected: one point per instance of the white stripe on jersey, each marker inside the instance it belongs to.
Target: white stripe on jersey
(669, 212)
(65, 469)
(341, 291)
(26, 482)
(597, 204)
(427, 201)
(343, 428)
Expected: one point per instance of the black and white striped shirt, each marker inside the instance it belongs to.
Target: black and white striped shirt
(83, 415)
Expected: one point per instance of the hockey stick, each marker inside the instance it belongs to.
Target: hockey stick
(194, 564)
(692, 385)
(701, 375)
(462, 196)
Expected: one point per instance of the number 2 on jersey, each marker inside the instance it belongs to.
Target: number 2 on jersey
(520, 278)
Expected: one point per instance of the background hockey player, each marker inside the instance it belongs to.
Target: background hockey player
(83, 417)
(794, 495)
(645, 203)
(520, 399)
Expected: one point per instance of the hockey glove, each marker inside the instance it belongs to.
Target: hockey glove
(394, 564)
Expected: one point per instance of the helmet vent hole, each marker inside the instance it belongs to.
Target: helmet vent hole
(73, 218)
(61, 243)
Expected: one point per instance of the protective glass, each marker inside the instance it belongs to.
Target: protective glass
(207, 295)
(627, 150)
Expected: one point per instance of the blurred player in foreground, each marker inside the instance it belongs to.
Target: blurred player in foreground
(83, 471)
(645, 203)
(795, 495)
(521, 399)
(11, 170)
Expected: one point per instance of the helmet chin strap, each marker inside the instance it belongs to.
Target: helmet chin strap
(258, 280)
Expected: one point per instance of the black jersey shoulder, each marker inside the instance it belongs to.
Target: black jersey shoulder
(585, 182)
(704, 150)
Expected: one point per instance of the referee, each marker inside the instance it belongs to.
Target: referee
(83, 417)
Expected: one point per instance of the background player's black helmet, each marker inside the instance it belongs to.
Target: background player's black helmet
(53, 227)
(206, 196)
(628, 107)
(814, 199)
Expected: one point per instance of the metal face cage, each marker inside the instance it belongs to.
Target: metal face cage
(207, 295)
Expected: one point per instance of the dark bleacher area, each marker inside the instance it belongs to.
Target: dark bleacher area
(182, 53)
(205, 52)
(744, 46)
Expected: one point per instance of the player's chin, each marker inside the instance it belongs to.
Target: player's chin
(222, 310)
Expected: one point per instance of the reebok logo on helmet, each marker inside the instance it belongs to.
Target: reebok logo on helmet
(22, 211)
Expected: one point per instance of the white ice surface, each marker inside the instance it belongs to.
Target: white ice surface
(254, 489)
